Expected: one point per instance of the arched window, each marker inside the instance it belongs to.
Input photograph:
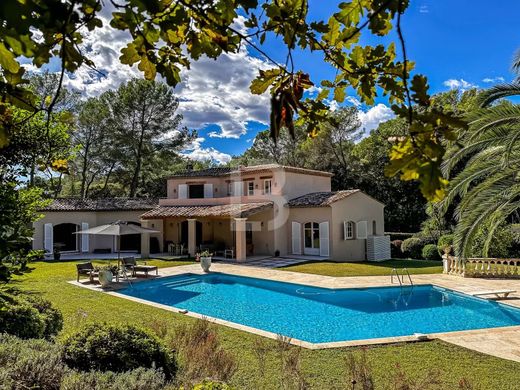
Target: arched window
(348, 230)
(312, 235)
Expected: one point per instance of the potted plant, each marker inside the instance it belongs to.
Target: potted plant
(205, 260)
(106, 274)
(56, 251)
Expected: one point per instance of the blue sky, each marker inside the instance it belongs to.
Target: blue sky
(459, 43)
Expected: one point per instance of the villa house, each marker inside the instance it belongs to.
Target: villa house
(263, 210)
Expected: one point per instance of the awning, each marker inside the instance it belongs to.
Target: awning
(236, 210)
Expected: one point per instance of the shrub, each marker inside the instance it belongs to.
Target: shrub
(412, 247)
(445, 241)
(395, 249)
(28, 316)
(30, 364)
(117, 348)
(211, 385)
(200, 354)
(500, 246)
(430, 252)
(138, 379)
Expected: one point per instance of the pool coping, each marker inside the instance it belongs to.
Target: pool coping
(173, 271)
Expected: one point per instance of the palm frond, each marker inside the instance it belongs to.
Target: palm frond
(499, 91)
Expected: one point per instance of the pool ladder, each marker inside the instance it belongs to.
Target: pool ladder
(400, 278)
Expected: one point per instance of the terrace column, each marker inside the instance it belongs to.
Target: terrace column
(145, 241)
(240, 239)
(192, 237)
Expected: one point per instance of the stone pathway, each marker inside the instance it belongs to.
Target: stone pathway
(271, 262)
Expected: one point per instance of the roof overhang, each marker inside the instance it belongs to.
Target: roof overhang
(227, 211)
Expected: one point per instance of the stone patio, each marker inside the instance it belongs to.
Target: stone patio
(500, 342)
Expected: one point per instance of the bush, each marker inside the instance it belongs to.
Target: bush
(117, 348)
(211, 385)
(501, 243)
(412, 247)
(28, 316)
(30, 364)
(138, 379)
(395, 249)
(430, 252)
(445, 241)
(194, 344)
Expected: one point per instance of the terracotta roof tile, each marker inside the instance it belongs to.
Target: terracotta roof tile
(227, 171)
(240, 210)
(101, 204)
(320, 199)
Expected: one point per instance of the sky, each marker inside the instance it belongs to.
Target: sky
(457, 44)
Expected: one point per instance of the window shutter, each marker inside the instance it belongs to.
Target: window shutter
(238, 188)
(208, 190)
(324, 239)
(361, 230)
(296, 238)
(84, 238)
(183, 191)
(48, 239)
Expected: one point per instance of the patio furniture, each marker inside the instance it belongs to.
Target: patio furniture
(499, 294)
(229, 253)
(131, 264)
(86, 269)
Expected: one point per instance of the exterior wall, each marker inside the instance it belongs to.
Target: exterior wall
(93, 219)
(356, 207)
(286, 184)
(304, 215)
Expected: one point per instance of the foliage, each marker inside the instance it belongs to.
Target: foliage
(166, 37)
(359, 372)
(445, 241)
(412, 247)
(493, 244)
(212, 385)
(395, 248)
(200, 354)
(30, 364)
(137, 379)
(484, 167)
(18, 209)
(116, 348)
(430, 252)
(28, 316)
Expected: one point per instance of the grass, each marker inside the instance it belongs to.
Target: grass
(365, 268)
(324, 369)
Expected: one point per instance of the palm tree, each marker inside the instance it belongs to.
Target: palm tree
(488, 183)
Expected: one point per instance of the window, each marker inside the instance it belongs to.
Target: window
(267, 186)
(348, 230)
(229, 188)
(374, 228)
(250, 188)
(196, 191)
(311, 235)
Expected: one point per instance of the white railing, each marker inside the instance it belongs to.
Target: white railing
(482, 267)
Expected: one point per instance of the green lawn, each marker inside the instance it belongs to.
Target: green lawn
(367, 268)
(324, 369)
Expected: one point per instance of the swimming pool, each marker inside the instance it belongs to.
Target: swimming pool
(320, 315)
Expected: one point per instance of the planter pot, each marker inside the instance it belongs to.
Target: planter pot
(105, 277)
(57, 256)
(205, 263)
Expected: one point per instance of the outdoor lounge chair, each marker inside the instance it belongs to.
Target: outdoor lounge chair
(130, 264)
(87, 269)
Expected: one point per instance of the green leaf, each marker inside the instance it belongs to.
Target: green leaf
(147, 67)
(339, 94)
(264, 81)
(7, 60)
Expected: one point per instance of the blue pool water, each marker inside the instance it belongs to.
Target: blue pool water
(322, 315)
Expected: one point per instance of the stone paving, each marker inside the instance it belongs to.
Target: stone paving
(500, 342)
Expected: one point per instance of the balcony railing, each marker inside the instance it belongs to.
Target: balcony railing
(482, 267)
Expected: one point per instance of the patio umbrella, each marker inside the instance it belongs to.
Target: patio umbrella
(117, 229)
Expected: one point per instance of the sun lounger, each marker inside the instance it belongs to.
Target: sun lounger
(499, 294)
(130, 264)
(87, 269)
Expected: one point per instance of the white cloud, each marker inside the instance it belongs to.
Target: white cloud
(498, 79)
(459, 84)
(196, 152)
(423, 9)
(371, 118)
